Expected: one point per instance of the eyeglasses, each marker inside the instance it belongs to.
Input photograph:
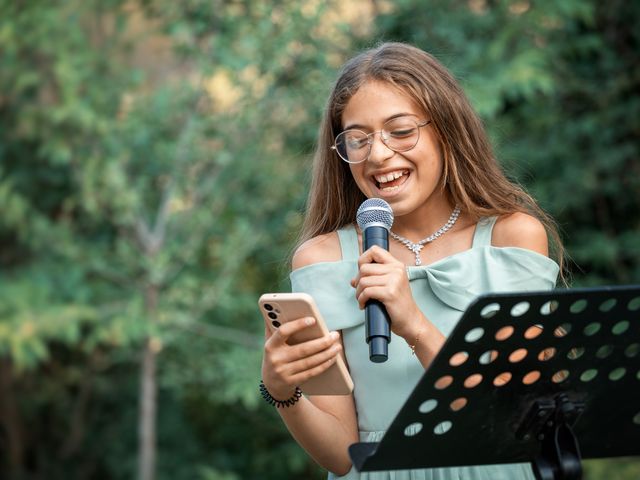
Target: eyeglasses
(400, 134)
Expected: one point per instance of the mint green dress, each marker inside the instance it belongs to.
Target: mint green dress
(442, 290)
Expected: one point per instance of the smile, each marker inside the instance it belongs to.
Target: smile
(391, 180)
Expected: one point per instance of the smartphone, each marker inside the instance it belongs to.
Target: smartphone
(279, 308)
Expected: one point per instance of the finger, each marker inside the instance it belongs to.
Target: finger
(314, 346)
(373, 281)
(312, 361)
(372, 293)
(368, 269)
(314, 372)
(373, 269)
(375, 254)
(287, 329)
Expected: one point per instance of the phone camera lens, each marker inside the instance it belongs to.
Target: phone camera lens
(268, 307)
(272, 315)
(275, 323)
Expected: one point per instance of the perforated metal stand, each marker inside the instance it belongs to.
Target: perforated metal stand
(541, 377)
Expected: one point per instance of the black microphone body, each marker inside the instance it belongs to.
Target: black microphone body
(378, 324)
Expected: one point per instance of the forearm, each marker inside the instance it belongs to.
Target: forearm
(323, 435)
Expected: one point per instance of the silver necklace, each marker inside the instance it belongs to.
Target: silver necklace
(416, 247)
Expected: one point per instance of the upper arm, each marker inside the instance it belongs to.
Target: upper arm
(520, 230)
(323, 248)
(326, 248)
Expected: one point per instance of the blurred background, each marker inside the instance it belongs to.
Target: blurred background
(154, 163)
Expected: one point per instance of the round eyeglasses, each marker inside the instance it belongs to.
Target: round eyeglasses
(399, 134)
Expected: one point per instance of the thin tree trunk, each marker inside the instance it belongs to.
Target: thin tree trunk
(148, 391)
(10, 420)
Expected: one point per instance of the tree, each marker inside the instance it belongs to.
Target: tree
(153, 162)
(150, 225)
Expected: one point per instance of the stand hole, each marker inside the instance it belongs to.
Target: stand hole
(634, 304)
(504, 333)
(560, 376)
(502, 379)
(549, 307)
(604, 351)
(458, 359)
(473, 380)
(562, 330)
(607, 305)
(458, 404)
(489, 356)
(547, 354)
(413, 429)
(575, 353)
(533, 332)
(632, 350)
(520, 309)
(428, 406)
(517, 355)
(592, 329)
(474, 335)
(578, 306)
(443, 382)
(490, 310)
(620, 327)
(617, 374)
(589, 375)
(531, 377)
(442, 427)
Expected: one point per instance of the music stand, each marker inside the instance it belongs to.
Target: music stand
(542, 377)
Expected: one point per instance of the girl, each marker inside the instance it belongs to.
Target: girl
(398, 126)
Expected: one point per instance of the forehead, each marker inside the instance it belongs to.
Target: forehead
(375, 102)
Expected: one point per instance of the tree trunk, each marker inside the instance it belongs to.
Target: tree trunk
(148, 391)
(10, 421)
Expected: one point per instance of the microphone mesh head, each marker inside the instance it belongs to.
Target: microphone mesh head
(374, 212)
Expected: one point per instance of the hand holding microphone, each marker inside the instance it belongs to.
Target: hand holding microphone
(375, 219)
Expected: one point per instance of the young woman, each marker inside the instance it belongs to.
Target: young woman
(398, 126)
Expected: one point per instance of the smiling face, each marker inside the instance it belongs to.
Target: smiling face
(409, 181)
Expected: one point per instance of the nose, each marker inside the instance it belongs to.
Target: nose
(379, 149)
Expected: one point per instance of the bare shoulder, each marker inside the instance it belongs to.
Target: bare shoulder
(323, 248)
(520, 230)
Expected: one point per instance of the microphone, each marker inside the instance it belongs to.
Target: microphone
(375, 218)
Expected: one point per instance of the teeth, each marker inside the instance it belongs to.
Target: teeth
(390, 176)
(390, 189)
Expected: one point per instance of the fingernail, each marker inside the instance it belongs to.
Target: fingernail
(309, 320)
(335, 335)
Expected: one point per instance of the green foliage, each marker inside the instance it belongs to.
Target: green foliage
(153, 167)
(557, 85)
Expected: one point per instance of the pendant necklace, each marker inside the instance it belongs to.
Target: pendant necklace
(416, 247)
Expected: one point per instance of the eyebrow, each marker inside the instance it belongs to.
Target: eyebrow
(388, 119)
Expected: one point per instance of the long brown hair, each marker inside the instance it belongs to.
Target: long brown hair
(471, 176)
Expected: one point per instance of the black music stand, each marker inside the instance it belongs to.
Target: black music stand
(541, 377)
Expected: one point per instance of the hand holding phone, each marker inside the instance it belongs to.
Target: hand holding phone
(280, 308)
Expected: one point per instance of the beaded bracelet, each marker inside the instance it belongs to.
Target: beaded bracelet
(279, 403)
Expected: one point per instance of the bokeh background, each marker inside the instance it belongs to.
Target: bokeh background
(154, 163)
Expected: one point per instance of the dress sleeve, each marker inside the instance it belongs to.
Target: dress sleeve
(460, 279)
(513, 269)
(329, 285)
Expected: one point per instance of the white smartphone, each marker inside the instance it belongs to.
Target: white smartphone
(279, 308)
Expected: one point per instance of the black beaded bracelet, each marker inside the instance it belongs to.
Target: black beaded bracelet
(279, 403)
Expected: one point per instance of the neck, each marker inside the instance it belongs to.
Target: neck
(418, 225)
